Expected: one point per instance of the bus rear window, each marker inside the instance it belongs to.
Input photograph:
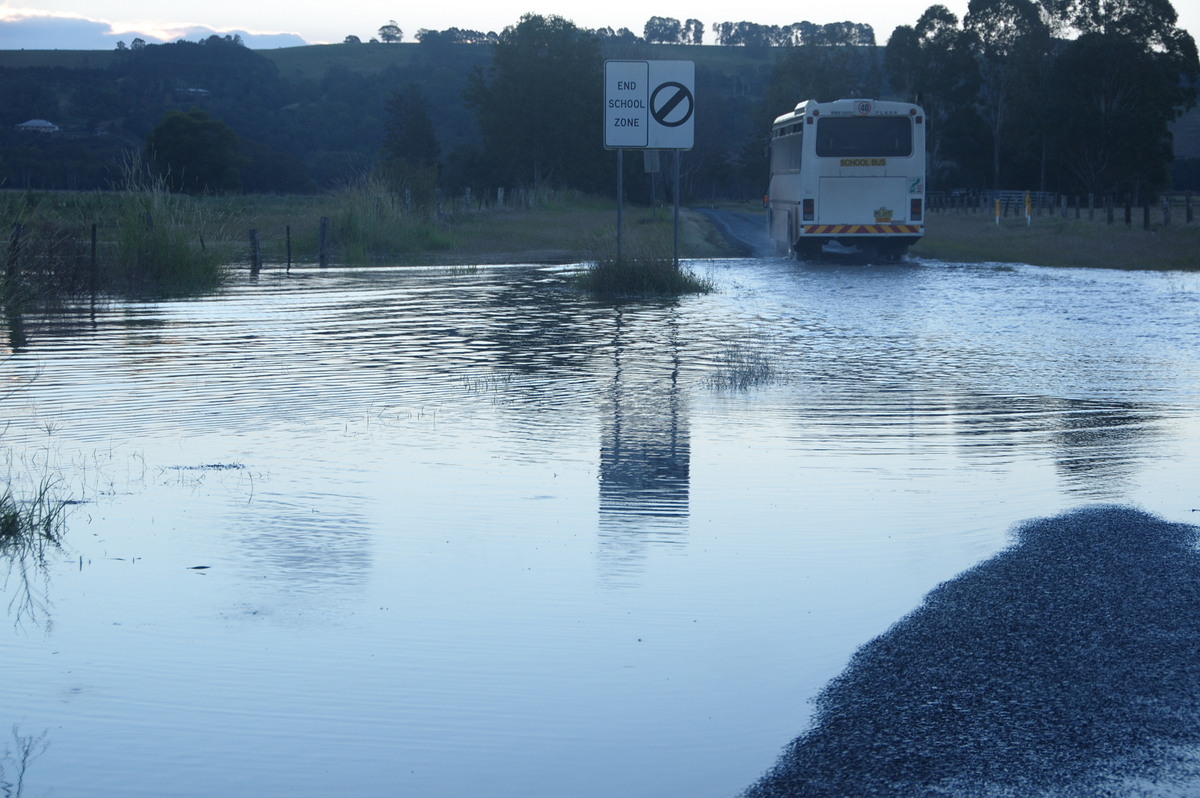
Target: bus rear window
(862, 136)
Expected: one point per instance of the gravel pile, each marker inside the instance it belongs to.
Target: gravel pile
(1068, 664)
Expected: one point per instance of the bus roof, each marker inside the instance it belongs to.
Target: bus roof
(849, 107)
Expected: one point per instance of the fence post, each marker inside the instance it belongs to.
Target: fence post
(1108, 208)
(255, 255)
(1166, 203)
(95, 264)
(1146, 213)
(288, 231)
(323, 243)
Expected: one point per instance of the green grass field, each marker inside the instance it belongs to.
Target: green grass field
(1054, 241)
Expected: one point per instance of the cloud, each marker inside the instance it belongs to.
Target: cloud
(39, 31)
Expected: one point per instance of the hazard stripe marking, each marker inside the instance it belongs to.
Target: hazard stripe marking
(860, 229)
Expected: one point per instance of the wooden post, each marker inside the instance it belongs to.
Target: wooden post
(255, 254)
(95, 266)
(323, 245)
(1146, 213)
(288, 229)
(1128, 211)
(1166, 203)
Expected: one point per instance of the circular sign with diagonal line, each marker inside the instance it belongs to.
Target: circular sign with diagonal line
(672, 104)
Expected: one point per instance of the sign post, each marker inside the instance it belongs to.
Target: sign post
(649, 105)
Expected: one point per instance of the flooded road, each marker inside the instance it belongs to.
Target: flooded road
(469, 532)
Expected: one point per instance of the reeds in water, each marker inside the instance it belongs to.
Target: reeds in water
(741, 368)
(30, 527)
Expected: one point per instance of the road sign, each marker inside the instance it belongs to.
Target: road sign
(649, 104)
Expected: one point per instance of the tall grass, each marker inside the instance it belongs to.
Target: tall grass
(161, 246)
(148, 241)
(371, 223)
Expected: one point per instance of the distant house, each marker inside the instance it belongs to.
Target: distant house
(192, 94)
(38, 126)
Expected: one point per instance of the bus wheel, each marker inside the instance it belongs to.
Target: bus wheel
(806, 250)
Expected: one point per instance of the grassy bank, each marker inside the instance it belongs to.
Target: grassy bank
(1055, 241)
(149, 241)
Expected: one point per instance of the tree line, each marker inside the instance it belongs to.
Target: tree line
(668, 30)
(1058, 96)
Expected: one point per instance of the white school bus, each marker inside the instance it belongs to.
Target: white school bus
(850, 171)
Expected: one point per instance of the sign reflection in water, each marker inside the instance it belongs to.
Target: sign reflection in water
(644, 444)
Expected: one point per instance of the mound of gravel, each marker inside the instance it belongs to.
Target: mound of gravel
(1068, 664)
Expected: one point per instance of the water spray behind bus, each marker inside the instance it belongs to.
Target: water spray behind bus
(850, 172)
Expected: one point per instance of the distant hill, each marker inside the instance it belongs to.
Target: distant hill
(320, 104)
(315, 115)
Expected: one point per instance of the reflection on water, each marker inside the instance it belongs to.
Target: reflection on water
(356, 531)
(18, 756)
(644, 446)
(307, 543)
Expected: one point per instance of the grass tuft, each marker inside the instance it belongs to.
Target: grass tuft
(32, 523)
(740, 369)
(642, 276)
(30, 527)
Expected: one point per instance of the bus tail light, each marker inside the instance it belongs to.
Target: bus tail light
(914, 210)
(809, 210)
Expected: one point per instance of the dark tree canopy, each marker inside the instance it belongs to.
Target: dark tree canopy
(1114, 102)
(409, 135)
(194, 153)
(1018, 94)
(664, 30)
(539, 106)
(391, 33)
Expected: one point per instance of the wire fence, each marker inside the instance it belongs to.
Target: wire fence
(1168, 209)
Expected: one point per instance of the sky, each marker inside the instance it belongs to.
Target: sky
(92, 25)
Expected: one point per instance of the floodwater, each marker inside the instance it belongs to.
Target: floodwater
(467, 532)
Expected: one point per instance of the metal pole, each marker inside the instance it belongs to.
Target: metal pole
(677, 207)
(620, 196)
